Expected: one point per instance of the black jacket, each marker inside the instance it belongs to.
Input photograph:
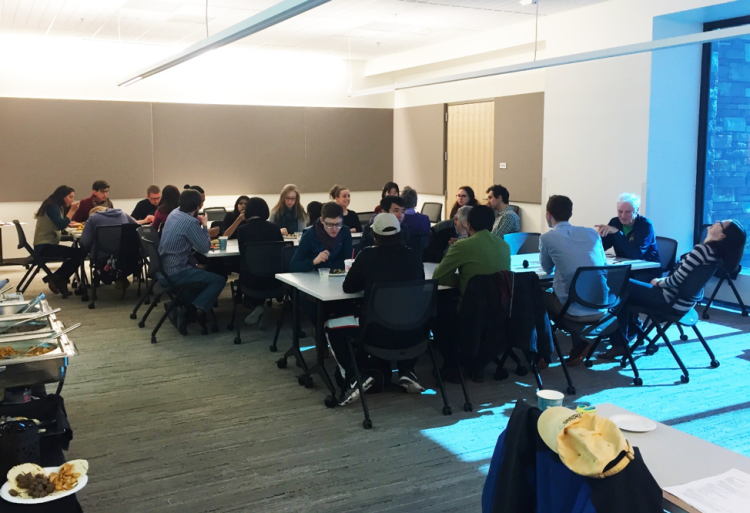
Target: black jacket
(440, 236)
(351, 220)
(528, 325)
(143, 209)
(483, 317)
(257, 230)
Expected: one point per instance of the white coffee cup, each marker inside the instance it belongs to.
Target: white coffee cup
(324, 272)
(549, 398)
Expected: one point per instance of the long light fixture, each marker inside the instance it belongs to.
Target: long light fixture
(263, 20)
(607, 53)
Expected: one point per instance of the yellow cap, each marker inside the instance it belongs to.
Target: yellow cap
(586, 443)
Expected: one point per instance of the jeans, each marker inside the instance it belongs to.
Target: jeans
(207, 289)
(639, 294)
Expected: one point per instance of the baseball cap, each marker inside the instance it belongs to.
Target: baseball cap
(588, 444)
(386, 224)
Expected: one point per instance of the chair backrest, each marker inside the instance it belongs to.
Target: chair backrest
(402, 306)
(433, 210)
(287, 253)
(220, 224)
(693, 284)
(667, 253)
(215, 213)
(522, 243)
(364, 218)
(150, 233)
(22, 242)
(263, 259)
(516, 209)
(599, 287)
(106, 241)
(151, 248)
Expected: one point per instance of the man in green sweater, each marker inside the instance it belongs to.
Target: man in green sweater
(481, 253)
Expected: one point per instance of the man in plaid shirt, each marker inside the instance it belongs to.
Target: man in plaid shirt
(506, 219)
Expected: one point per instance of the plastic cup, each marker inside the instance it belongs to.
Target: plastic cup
(348, 264)
(324, 273)
(223, 243)
(549, 398)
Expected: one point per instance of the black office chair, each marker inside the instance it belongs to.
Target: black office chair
(364, 218)
(598, 288)
(661, 320)
(262, 260)
(34, 263)
(172, 290)
(433, 210)
(724, 275)
(150, 278)
(220, 224)
(121, 243)
(522, 243)
(403, 306)
(516, 209)
(215, 213)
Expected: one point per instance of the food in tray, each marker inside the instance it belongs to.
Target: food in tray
(6, 351)
(35, 350)
(29, 481)
(40, 350)
(339, 272)
(24, 328)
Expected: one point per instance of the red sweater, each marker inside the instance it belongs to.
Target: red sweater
(82, 214)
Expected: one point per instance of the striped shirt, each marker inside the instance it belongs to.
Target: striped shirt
(507, 222)
(700, 255)
(180, 235)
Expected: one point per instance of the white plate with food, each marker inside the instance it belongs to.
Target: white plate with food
(73, 478)
(633, 423)
(337, 273)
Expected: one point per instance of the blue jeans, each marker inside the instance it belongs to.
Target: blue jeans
(207, 288)
(639, 294)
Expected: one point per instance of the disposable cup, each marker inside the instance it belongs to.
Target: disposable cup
(549, 398)
(223, 243)
(324, 273)
(348, 264)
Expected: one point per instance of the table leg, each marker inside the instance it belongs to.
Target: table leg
(295, 349)
(320, 349)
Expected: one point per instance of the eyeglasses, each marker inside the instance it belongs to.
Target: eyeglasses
(331, 226)
(462, 195)
(103, 191)
(721, 223)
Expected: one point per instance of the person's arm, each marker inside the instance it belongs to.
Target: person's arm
(53, 212)
(642, 240)
(355, 279)
(229, 230)
(87, 236)
(303, 258)
(698, 256)
(445, 272)
(545, 259)
(353, 222)
(82, 213)
(198, 237)
(139, 212)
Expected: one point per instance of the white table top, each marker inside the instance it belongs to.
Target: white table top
(674, 457)
(233, 248)
(516, 264)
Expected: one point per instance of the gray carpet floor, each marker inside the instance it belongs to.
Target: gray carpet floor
(198, 424)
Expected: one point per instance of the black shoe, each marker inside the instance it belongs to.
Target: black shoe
(351, 393)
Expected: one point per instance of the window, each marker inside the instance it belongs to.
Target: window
(723, 187)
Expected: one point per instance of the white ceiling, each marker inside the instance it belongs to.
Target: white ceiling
(367, 28)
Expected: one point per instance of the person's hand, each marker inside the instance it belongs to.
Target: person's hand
(655, 282)
(452, 241)
(74, 224)
(213, 232)
(74, 206)
(149, 219)
(203, 219)
(353, 230)
(605, 229)
(284, 232)
(322, 257)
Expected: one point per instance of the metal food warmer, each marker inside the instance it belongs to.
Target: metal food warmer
(34, 345)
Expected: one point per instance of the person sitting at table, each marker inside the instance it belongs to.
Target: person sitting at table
(313, 211)
(506, 220)
(326, 244)
(418, 225)
(50, 220)
(445, 233)
(388, 261)
(234, 219)
(103, 216)
(630, 234)
(170, 200)
(99, 196)
(256, 229)
(342, 197)
(563, 250)
(389, 189)
(390, 205)
(725, 242)
(182, 233)
(464, 197)
(147, 206)
(199, 189)
(288, 213)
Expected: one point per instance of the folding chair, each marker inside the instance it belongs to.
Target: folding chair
(668, 259)
(661, 320)
(34, 263)
(263, 260)
(601, 288)
(522, 243)
(119, 242)
(403, 306)
(215, 213)
(364, 218)
(150, 277)
(433, 210)
(724, 275)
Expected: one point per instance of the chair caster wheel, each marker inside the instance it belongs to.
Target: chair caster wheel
(305, 381)
(133, 316)
(468, 407)
(153, 340)
(684, 379)
(501, 374)
(214, 328)
(281, 363)
(367, 424)
(571, 390)
(330, 402)
(521, 371)
(706, 316)
(230, 327)
(652, 350)
(744, 313)
(638, 382)
(683, 338)
(714, 364)
(273, 349)
(237, 340)
(141, 324)
(447, 410)
(588, 363)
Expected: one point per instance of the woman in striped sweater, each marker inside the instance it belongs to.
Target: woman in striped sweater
(724, 241)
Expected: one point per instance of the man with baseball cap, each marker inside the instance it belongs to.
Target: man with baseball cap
(387, 262)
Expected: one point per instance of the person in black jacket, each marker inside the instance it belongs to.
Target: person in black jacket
(147, 206)
(391, 205)
(445, 233)
(389, 261)
(630, 234)
(235, 218)
(342, 196)
(256, 229)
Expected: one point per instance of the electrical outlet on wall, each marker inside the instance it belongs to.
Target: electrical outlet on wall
(503, 165)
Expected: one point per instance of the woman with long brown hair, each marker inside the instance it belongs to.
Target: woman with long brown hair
(288, 214)
(464, 197)
(170, 200)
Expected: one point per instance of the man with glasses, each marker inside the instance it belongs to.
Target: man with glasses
(506, 219)
(324, 244)
(147, 207)
(99, 197)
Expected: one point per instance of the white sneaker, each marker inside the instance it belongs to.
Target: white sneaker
(254, 316)
(409, 383)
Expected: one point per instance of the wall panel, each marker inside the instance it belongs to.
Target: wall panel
(418, 148)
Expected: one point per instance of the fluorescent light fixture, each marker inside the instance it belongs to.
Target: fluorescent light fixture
(527, 2)
(263, 20)
(606, 53)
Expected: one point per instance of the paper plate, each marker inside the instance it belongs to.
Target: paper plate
(5, 491)
(633, 423)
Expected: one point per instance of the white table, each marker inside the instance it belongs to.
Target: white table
(233, 247)
(516, 264)
(674, 457)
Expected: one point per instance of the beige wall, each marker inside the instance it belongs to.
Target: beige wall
(418, 148)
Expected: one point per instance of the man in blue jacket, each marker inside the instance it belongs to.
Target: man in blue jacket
(630, 234)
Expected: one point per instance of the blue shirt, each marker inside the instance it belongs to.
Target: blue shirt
(180, 234)
(310, 247)
(563, 250)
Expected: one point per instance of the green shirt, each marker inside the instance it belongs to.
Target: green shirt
(626, 230)
(482, 253)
